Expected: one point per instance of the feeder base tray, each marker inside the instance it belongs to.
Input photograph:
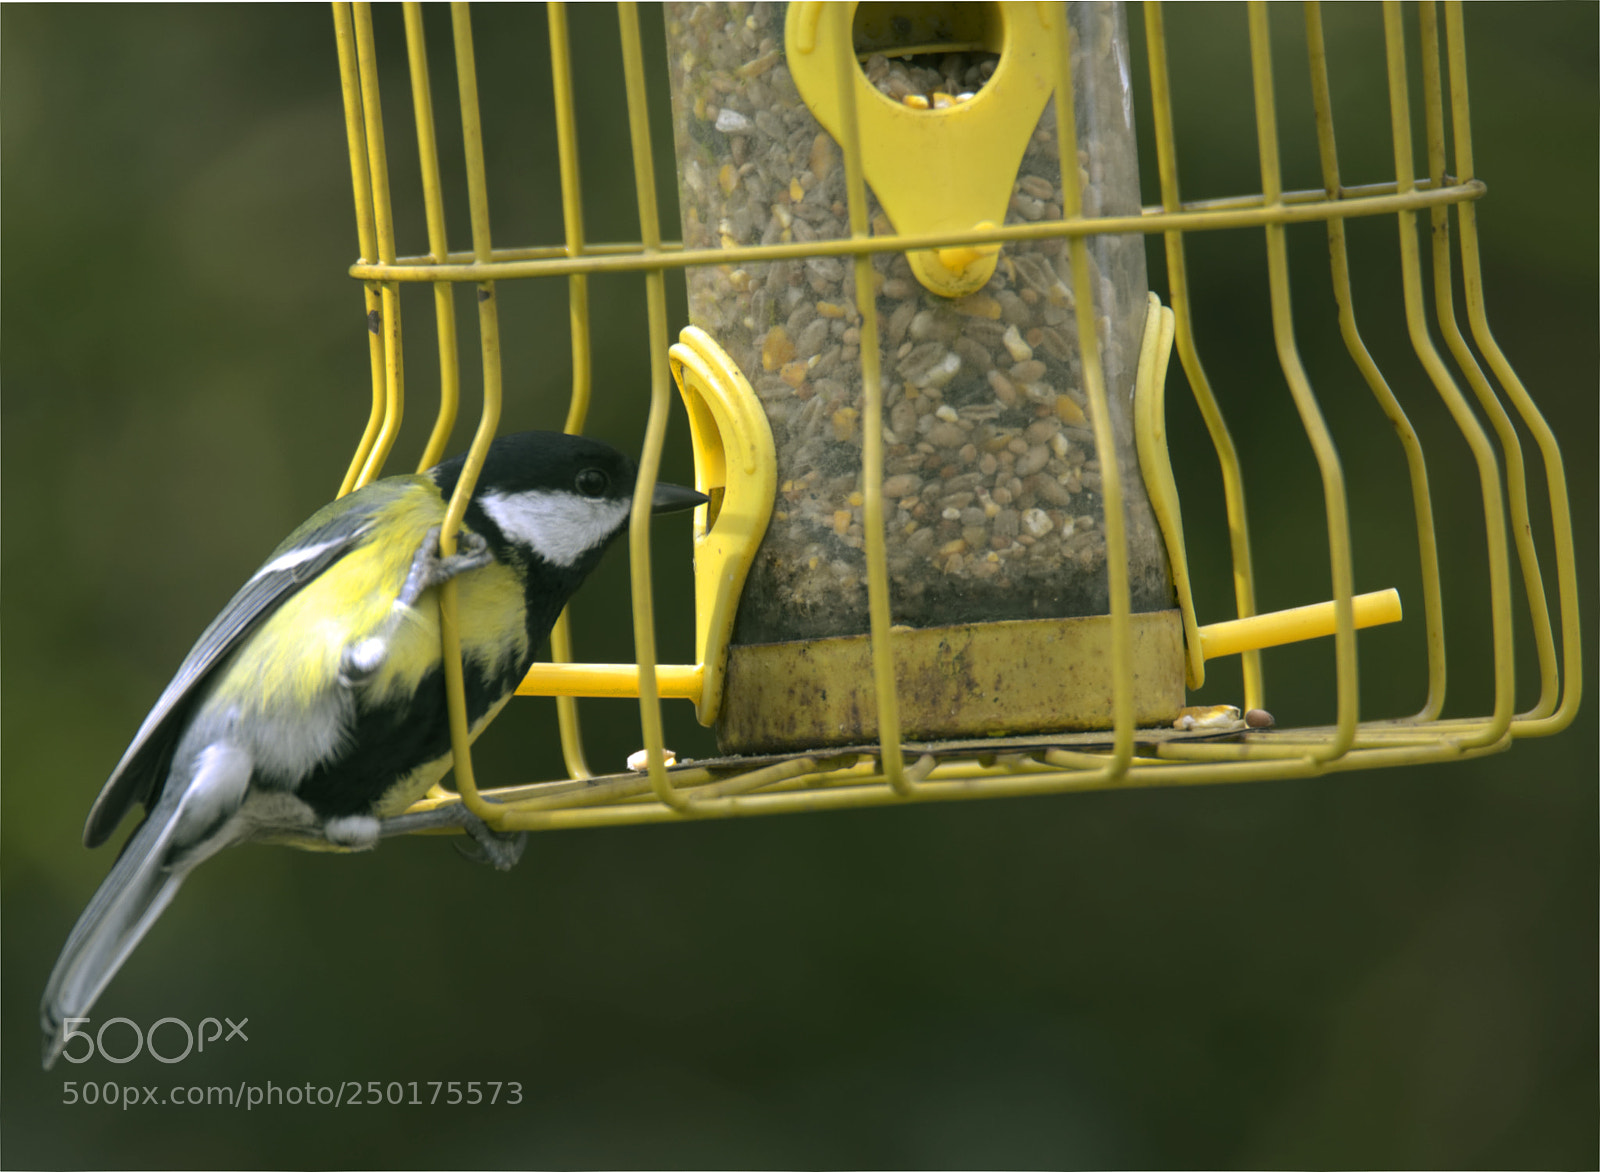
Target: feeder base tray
(975, 680)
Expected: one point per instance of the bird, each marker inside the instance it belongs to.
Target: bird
(313, 706)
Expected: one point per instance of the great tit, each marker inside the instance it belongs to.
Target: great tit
(313, 707)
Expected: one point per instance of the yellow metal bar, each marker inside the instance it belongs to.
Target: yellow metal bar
(871, 432)
(1433, 732)
(366, 231)
(1460, 412)
(488, 307)
(566, 705)
(644, 630)
(1244, 590)
(1416, 465)
(383, 220)
(1066, 766)
(1299, 623)
(1334, 503)
(1550, 451)
(675, 681)
(815, 794)
(355, 127)
(1510, 445)
(1350, 198)
(1115, 522)
(1064, 759)
(568, 795)
(438, 245)
(488, 422)
(705, 795)
(1264, 757)
(571, 213)
(628, 259)
(578, 313)
(1279, 761)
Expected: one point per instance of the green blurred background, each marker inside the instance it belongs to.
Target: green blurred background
(1394, 968)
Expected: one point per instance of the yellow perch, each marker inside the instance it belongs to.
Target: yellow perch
(1294, 625)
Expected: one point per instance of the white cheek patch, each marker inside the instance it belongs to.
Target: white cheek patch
(560, 526)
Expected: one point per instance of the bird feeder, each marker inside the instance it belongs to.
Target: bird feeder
(944, 553)
(994, 510)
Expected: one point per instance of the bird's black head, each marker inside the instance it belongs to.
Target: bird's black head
(554, 500)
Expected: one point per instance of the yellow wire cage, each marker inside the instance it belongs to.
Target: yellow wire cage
(894, 769)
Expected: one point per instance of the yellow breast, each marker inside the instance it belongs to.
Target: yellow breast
(296, 655)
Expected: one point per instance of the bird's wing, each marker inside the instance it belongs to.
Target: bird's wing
(307, 552)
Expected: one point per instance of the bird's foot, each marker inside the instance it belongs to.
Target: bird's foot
(428, 569)
(499, 849)
(362, 659)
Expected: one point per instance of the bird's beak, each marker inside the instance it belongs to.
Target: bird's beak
(674, 498)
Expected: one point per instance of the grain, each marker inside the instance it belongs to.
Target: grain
(991, 502)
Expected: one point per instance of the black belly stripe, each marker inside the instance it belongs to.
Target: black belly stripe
(391, 740)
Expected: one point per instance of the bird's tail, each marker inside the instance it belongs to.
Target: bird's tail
(134, 894)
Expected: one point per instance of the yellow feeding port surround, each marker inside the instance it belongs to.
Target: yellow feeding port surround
(1239, 636)
(943, 177)
(734, 464)
(938, 169)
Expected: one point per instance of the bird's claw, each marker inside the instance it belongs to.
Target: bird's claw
(362, 659)
(428, 569)
(472, 552)
(499, 849)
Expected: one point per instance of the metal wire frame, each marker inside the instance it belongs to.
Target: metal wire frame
(883, 774)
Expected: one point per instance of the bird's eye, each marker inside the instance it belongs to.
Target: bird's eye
(593, 483)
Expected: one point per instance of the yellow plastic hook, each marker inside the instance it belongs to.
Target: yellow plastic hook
(949, 169)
